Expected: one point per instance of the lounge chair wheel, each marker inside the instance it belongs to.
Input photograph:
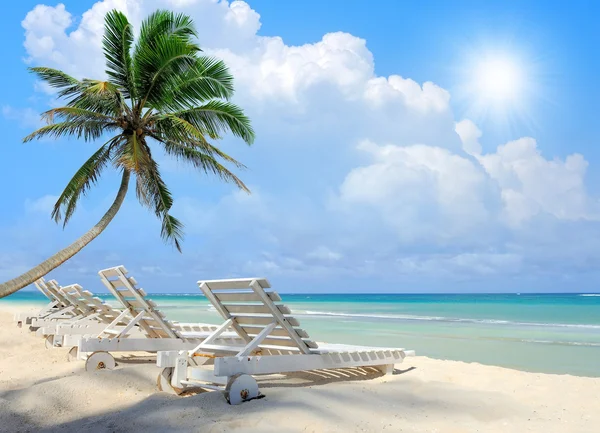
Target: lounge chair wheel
(241, 388)
(72, 355)
(163, 382)
(100, 361)
(49, 342)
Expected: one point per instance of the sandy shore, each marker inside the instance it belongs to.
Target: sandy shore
(41, 391)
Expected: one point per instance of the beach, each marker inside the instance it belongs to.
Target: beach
(41, 391)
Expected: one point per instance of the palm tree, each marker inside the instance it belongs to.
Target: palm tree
(160, 93)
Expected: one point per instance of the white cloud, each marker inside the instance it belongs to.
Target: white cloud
(531, 184)
(469, 134)
(424, 192)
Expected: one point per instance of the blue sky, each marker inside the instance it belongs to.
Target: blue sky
(383, 163)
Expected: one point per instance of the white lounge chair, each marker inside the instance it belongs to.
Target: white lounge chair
(64, 311)
(95, 316)
(155, 331)
(54, 306)
(273, 343)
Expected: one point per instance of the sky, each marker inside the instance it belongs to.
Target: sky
(401, 147)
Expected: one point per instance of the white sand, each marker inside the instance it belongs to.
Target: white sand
(41, 391)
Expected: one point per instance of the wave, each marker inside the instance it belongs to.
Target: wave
(590, 294)
(444, 319)
(562, 343)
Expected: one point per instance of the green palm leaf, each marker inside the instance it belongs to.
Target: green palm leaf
(218, 117)
(86, 129)
(117, 43)
(154, 190)
(57, 79)
(207, 79)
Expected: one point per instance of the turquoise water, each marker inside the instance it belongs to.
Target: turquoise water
(552, 333)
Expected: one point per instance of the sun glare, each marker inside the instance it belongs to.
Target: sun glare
(498, 79)
(498, 84)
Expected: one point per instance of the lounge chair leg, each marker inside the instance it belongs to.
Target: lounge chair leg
(241, 388)
(73, 354)
(163, 381)
(100, 361)
(386, 369)
(49, 342)
(53, 341)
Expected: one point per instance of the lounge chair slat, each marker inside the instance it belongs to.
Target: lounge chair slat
(280, 332)
(113, 272)
(245, 297)
(117, 284)
(137, 304)
(286, 342)
(261, 320)
(235, 284)
(251, 309)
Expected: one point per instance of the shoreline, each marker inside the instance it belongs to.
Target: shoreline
(41, 391)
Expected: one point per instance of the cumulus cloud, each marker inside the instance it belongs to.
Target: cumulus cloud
(531, 184)
(352, 173)
(422, 191)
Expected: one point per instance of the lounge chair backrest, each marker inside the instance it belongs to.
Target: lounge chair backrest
(41, 286)
(252, 309)
(152, 321)
(52, 290)
(104, 312)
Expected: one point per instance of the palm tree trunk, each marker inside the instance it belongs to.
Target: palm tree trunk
(62, 256)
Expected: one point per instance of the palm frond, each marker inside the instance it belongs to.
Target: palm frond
(158, 66)
(165, 22)
(117, 43)
(55, 78)
(174, 136)
(204, 162)
(172, 230)
(164, 49)
(74, 114)
(100, 96)
(81, 182)
(153, 189)
(207, 79)
(218, 117)
(88, 129)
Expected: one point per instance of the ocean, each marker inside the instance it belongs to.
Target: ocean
(549, 333)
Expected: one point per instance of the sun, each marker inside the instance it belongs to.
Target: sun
(498, 80)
